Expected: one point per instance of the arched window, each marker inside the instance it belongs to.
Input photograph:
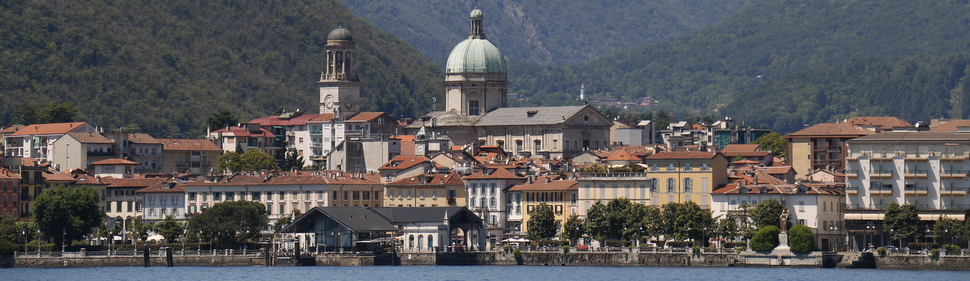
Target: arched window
(420, 241)
(410, 241)
(430, 242)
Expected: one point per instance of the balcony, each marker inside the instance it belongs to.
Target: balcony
(953, 174)
(316, 145)
(852, 173)
(914, 173)
(881, 173)
(101, 153)
(316, 132)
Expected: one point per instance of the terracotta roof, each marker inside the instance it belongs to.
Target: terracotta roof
(884, 123)
(188, 145)
(136, 182)
(366, 116)
(83, 179)
(698, 127)
(622, 155)
(775, 170)
(682, 155)
(404, 162)
(552, 185)
(276, 121)
(320, 177)
(746, 153)
(48, 129)
(951, 126)
(57, 177)
(497, 173)
(832, 130)
(142, 139)
(163, 187)
(114, 161)
(430, 181)
(244, 132)
(745, 161)
(8, 175)
(740, 148)
(90, 138)
(325, 117)
(816, 189)
(11, 129)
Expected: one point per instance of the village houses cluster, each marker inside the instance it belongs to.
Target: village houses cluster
(488, 166)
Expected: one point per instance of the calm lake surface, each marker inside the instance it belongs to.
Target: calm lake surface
(504, 273)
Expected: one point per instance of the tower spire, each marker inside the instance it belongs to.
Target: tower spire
(476, 32)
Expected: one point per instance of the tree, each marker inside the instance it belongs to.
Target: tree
(170, 228)
(65, 212)
(774, 142)
(801, 239)
(221, 119)
(947, 229)
(9, 230)
(696, 222)
(904, 221)
(644, 222)
(573, 229)
(138, 229)
(284, 221)
(542, 224)
(59, 112)
(229, 224)
(766, 239)
(25, 113)
(728, 226)
(767, 213)
(252, 160)
(293, 160)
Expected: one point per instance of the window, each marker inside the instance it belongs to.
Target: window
(688, 167)
(492, 202)
(654, 185)
(421, 194)
(518, 145)
(705, 167)
(452, 193)
(671, 167)
(366, 195)
(282, 209)
(671, 185)
(216, 196)
(473, 108)
(257, 196)
(474, 189)
(704, 185)
(654, 167)
(356, 195)
(537, 144)
(688, 185)
(192, 196)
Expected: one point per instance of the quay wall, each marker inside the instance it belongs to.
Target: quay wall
(112, 261)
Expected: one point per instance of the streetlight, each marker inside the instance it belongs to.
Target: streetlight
(833, 228)
(869, 227)
(63, 240)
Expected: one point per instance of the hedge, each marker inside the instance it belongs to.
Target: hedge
(800, 239)
(765, 239)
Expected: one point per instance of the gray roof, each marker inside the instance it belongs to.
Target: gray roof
(359, 219)
(400, 215)
(914, 136)
(548, 115)
(449, 118)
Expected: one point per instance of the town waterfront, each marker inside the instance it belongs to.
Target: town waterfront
(470, 273)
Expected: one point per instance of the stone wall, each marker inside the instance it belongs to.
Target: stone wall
(104, 261)
(921, 262)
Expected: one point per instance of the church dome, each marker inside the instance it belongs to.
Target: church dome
(340, 34)
(475, 56)
(476, 13)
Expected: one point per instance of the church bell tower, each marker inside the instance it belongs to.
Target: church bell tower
(339, 85)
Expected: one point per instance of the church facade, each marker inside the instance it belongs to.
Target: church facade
(477, 113)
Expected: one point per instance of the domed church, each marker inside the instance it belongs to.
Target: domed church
(476, 110)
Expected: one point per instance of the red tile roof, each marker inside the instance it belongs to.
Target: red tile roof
(622, 155)
(884, 123)
(816, 189)
(276, 121)
(135, 182)
(951, 126)
(163, 187)
(114, 161)
(498, 173)
(404, 162)
(682, 155)
(244, 132)
(142, 139)
(188, 145)
(91, 138)
(321, 177)
(325, 117)
(48, 129)
(366, 116)
(57, 177)
(832, 130)
(12, 129)
(541, 184)
(430, 181)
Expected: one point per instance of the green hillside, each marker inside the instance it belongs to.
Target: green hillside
(545, 32)
(764, 41)
(165, 65)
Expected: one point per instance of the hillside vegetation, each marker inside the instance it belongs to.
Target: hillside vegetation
(545, 32)
(165, 65)
(768, 40)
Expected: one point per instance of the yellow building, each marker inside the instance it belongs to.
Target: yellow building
(426, 190)
(683, 176)
(560, 195)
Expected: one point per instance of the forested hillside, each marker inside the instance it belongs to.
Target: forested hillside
(545, 32)
(165, 65)
(764, 41)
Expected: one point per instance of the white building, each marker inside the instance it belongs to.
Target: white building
(37, 141)
(162, 199)
(488, 197)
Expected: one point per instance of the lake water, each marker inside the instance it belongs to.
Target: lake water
(505, 273)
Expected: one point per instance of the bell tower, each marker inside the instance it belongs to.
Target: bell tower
(339, 86)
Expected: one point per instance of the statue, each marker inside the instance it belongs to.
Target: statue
(784, 221)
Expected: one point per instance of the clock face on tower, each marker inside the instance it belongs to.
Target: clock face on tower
(328, 100)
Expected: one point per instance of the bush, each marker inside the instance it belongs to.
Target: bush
(740, 248)
(565, 249)
(951, 249)
(801, 239)
(922, 246)
(935, 253)
(617, 243)
(7, 248)
(517, 255)
(766, 239)
(710, 249)
(679, 244)
(507, 248)
(881, 251)
(555, 243)
(696, 250)
(734, 244)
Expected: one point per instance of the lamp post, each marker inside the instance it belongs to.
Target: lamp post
(833, 228)
(869, 227)
(63, 241)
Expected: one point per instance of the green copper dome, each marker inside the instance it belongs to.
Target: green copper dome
(476, 13)
(475, 56)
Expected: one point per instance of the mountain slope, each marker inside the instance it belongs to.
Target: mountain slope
(561, 32)
(165, 65)
(763, 41)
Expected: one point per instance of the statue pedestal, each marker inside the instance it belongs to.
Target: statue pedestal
(782, 249)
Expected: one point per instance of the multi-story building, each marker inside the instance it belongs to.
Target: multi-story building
(79, 150)
(140, 148)
(195, 156)
(822, 147)
(10, 193)
(489, 197)
(402, 167)
(560, 195)
(927, 169)
(293, 126)
(121, 199)
(817, 206)
(36, 141)
(162, 199)
(426, 190)
(249, 136)
(683, 176)
(603, 187)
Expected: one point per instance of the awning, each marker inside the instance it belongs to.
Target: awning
(922, 217)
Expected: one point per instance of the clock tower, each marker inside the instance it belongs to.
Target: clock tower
(339, 86)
